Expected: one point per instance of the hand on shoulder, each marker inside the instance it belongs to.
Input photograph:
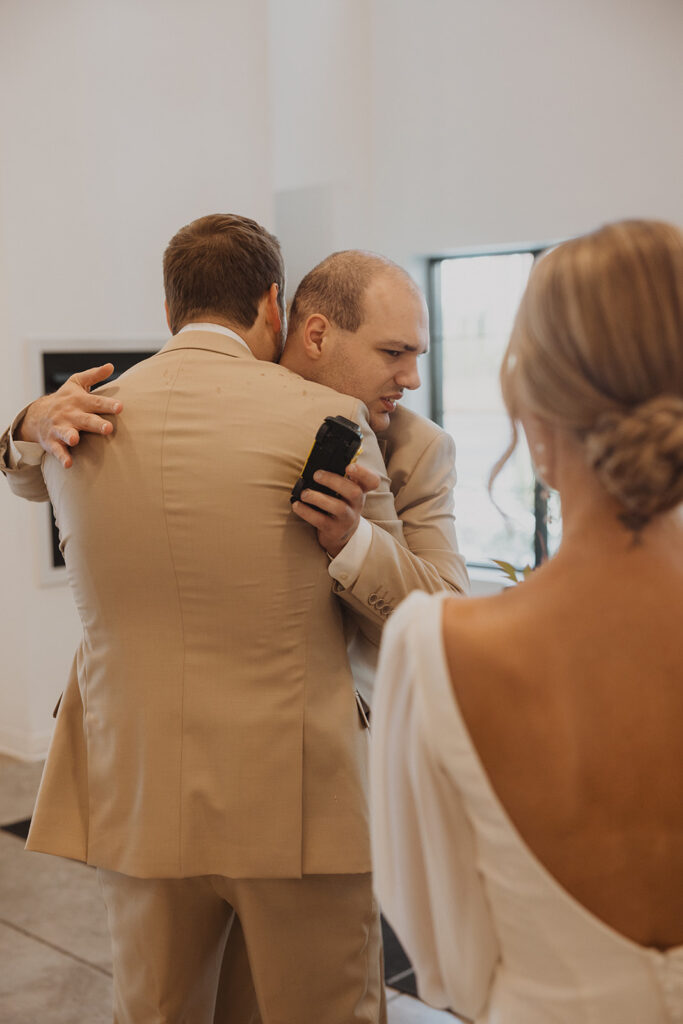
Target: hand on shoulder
(56, 421)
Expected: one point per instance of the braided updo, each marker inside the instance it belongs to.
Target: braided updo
(597, 348)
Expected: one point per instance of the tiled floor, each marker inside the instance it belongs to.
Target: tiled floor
(55, 963)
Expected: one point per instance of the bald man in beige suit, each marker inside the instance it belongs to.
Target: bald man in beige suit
(370, 351)
(208, 754)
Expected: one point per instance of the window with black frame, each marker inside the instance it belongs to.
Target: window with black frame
(473, 303)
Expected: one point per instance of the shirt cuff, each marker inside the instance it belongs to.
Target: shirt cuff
(346, 567)
(22, 453)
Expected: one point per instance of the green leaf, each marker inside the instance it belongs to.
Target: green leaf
(508, 569)
(511, 572)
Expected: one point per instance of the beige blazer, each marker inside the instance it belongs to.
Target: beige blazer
(209, 724)
(420, 462)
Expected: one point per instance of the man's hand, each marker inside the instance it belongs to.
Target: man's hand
(55, 421)
(344, 512)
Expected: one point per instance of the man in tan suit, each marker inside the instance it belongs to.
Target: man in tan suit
(340, 334)
(208, 755)
(344, 333)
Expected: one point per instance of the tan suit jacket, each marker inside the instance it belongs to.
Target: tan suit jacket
(209, 725)
(420, 462)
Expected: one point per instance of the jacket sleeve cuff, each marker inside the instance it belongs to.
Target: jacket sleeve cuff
(21, 453)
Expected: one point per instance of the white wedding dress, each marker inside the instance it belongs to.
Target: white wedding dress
(490, 932)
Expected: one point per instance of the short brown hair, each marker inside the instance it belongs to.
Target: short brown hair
(221, 264)
(335, 288)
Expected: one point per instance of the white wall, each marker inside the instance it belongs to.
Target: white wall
(322, 128)
(413, 128)
(499, 122)
(119, 122)
(472, 124)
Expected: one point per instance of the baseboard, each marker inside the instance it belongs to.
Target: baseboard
(24, 746)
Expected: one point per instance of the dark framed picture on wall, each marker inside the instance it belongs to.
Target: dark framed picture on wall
(54, 364)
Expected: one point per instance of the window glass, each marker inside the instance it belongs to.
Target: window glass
(479, 297)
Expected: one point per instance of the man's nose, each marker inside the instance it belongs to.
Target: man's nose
(408, 377)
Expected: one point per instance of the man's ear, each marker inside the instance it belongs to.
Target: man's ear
(272, 308)
(168, 316)
(315, 333)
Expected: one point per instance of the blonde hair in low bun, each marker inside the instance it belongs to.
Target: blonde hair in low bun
(597, 348)
(638, 456)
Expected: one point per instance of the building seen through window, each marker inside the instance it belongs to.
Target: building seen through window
(474, 302)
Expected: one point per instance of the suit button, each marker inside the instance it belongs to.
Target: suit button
(373, 599)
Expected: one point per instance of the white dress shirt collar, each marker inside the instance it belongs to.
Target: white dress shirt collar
(214, 329)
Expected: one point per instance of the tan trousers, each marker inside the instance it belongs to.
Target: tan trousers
(236, 1001)
(312, 946)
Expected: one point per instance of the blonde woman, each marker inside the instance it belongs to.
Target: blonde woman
(528, 777)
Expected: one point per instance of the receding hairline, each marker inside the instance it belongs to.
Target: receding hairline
(337, 286)
(369, 265)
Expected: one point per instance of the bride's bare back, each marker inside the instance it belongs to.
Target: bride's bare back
(571, 686)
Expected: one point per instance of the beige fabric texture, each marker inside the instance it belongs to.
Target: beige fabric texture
(209, 724)
(420, 462)
(314, 948)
